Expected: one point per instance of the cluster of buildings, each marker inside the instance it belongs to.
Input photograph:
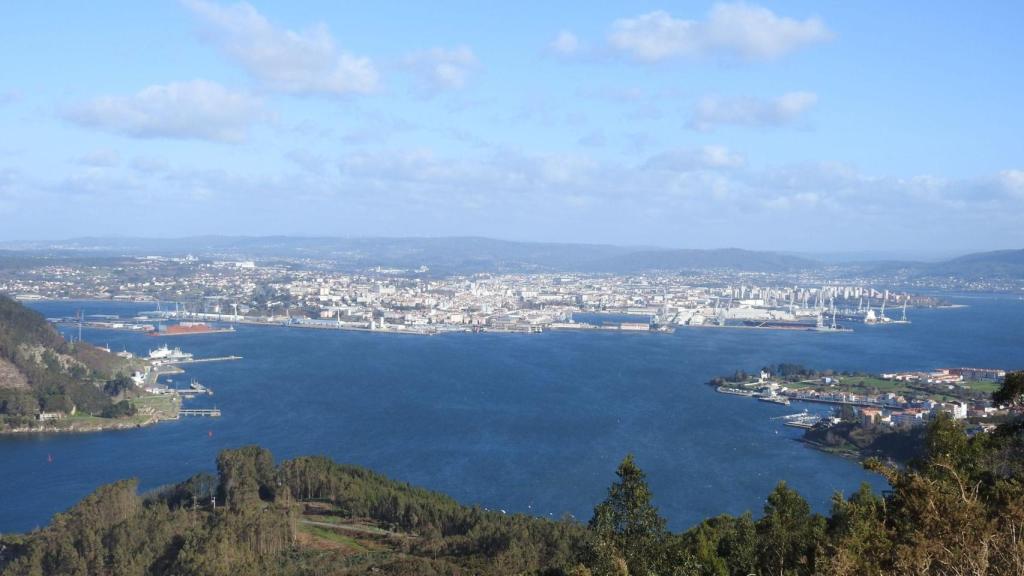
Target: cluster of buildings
(950, 376)
(902, 408)
(309, 293)
(528, 302)
(906, 407)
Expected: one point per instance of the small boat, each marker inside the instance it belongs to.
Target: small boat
(736, 391)
(199, 388)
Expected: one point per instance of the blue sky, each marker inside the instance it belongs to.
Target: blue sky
(803, 126)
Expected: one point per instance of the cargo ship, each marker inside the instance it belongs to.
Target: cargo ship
(187, 328)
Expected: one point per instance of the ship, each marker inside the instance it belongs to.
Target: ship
(805, 421)
(735, 391)
(187, 328)
(778, 324)
(775, 399)
(166, 354)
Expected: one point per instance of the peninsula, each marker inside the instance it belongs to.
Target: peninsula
(48, 384)
(875, 415)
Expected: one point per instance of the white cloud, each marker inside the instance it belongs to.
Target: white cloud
(305, 62)
(735, 30)
(703, 194)
(595, 139)
(7, 178)
(100, 158)
(307, 160)
(1013, 182)
(148, 166)
(443, 68)
(9, 97)
(198, 109)
(715, 110)
(566, 44)
(703, 158)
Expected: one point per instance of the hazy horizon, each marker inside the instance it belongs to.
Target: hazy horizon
(786, 126)
(837, 256)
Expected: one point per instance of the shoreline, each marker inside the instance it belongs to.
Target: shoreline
(69, 425)
(114, 424)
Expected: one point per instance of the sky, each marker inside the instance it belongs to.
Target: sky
(797, 126)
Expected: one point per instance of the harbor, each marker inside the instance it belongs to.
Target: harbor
(655, 385)
(526, 305)
(166, 361)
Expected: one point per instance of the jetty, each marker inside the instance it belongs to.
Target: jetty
(211, 412)
(201, 360)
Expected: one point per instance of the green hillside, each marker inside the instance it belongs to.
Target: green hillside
(40, 372)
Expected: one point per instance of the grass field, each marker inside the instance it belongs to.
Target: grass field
(865, 384)
(163, 406)
(854, 384)
(330, 535)
(982, 386)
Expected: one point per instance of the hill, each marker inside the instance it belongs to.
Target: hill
(470, 254)
(443, 255)
(42, 373)
(996, 264)
(677, 260)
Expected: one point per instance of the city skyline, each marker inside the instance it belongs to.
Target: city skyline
(787, 126)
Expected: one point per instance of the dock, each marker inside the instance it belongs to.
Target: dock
(211, 412)
(201, 360)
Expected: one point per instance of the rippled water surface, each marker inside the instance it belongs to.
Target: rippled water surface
(526, 423)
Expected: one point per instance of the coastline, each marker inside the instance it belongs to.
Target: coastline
(115, 424)
(834, 451)
(75, 425)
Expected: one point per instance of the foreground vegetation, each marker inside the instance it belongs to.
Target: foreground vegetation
(958, 510)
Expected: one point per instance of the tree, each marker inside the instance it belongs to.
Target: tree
(847, 413)
(247, 476)
(739, 546)
(18, 403)
(859, 542)
(788, 534)
(1011, 392)
(627, 526)
(122, 409)
(118, 386)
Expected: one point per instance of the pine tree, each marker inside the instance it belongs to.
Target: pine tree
(627, 526)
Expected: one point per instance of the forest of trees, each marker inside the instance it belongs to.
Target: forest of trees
(959, 510)
(62, 377)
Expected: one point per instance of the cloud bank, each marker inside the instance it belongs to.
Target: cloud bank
(305, 62)
(198, 109)
(712, 111)
(737, 30)
(442, 68)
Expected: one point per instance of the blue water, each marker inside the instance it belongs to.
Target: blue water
(600, 318)
(526, 423)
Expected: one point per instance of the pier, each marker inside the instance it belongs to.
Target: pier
(201, 360)
(211, 412)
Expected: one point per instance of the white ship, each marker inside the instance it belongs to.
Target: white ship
(166, 353)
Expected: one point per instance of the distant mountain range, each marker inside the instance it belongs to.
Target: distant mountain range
(999, 263)
(476, 254)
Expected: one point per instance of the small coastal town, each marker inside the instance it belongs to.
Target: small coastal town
(892, 400)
